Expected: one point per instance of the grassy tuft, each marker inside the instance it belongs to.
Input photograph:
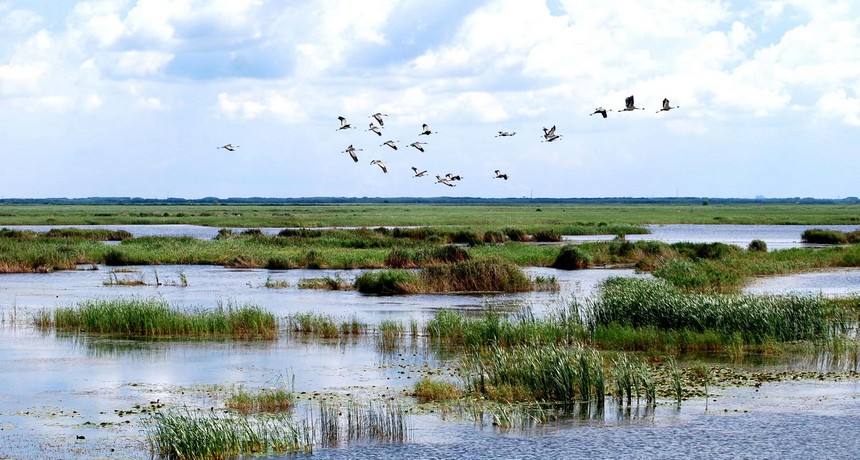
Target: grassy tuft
(428, 389)
(155, 318)
(275, 400)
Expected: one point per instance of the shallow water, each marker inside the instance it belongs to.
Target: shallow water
(56, 387)
(776, 236)
(837, 282)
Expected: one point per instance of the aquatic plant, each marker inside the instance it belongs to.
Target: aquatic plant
(484, 275)
(632, 378)
(572, 257)
(365, 422)
(553, 373)
(314, 323)
(154, 317)
(266, 400)
(386, 282)
(331, 283)
(180, 434)
(428, 389)
(642, 303)
(757, 245)
(826, 236)
(390, 333)
(276, 284)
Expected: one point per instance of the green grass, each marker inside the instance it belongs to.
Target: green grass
(825, 236)
(180, 434)
(656, 304)
(550, 373)
(157, 319)
(428, 389)
(560, 326)
(331, 283)
(273, 400)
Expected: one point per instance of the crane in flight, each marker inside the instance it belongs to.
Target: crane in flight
(666, 106)
(425, 130)
(390, 143)
(506, 133)
(601, 111)
(628, 105)
(374, 129)
(378, 117)
(500, 175)
(419, 173)
(418, 145)
(229, 147)
(344, 124)
(351, 151)
(381, 164)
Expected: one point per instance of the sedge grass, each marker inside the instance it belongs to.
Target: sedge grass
(155, 318)
(643, 303)
(551, 373)
(182, 434)
(428, 389)
(267, 400)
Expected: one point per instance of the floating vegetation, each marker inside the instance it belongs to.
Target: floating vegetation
(115, 280)
(335, 283)
(153, 317)
(276, 284)
(181, 434)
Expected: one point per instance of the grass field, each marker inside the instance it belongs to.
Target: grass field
(557, 216)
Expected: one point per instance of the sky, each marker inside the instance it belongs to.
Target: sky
(132, 98)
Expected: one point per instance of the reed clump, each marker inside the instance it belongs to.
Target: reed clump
(484, 275)
(572, 257)
(316, 324)
(266, 400)
(428, 389)
(386, 282)
(449, 327)
(331, 283)
(654, 303)
(827, 236)
(550, 373)
(368, 422)
(155, 318)
(182, 434)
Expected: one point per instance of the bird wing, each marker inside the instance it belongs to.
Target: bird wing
(665, 104)
(628, 102)
(551, 131)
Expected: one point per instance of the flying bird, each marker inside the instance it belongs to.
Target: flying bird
(549, 135)
(443, 181)
(418, 145)
(378, 117)
(450, 176)
(500, 175)
(506, 134)
(229, 147)
(628, 105)
(425, 130)
(381, 164)
(344, 124)
(419, 173)
(351, 151)
(666, 106)
(601, 111)
(374, 129)
(389, 143)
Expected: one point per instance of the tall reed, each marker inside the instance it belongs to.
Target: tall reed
(560, 374)
(182, 434)
(642, 303)
(154, 317)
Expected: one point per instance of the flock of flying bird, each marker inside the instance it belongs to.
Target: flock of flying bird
(549, 135)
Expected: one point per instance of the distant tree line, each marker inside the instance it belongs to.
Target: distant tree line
(414, 200)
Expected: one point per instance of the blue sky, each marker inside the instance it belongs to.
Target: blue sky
(131, 98)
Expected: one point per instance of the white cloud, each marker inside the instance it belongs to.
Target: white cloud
(837, 104)
(141, 63)
(251, 105)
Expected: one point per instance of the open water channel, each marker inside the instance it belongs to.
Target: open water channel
(55, 388)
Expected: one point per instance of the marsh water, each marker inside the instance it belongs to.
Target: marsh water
(56, 387)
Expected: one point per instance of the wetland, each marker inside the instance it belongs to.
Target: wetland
(635, 344)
